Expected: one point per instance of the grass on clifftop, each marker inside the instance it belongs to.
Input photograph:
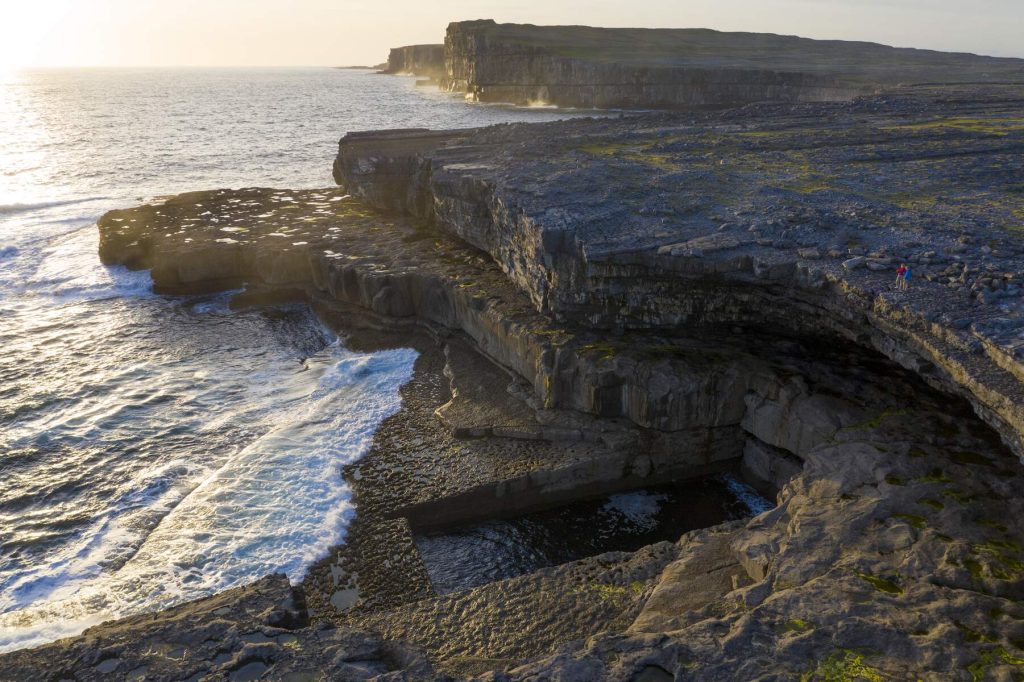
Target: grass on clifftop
(639, 153)
(983, 126)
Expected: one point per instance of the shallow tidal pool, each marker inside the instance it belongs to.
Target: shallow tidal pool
(469, 556)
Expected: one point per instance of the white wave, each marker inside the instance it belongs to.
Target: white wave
(748, 496)
(275, 506)
(639, 508)
(17, 207)
(112, 536)
(69, 271)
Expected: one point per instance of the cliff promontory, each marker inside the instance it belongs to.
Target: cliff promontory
(418, 60)
(580, 66)
(607, 305)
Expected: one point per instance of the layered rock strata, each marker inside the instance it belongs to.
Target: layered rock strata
(579, 66)
(787, 218)
(418, 60)
(608, 304)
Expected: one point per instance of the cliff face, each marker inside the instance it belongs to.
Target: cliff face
(418, 60)
(493, 70)
(672, 294)
(578, 66)
(588, 219)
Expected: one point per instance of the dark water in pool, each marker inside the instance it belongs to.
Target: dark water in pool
(470, 556)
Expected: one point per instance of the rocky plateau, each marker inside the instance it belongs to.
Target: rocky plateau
(605, 304)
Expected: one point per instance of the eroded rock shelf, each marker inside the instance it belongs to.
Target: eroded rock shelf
(609, 304)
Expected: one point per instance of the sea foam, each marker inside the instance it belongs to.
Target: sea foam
(276, 505)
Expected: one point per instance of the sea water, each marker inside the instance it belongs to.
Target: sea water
(475, 554)
(147, 443)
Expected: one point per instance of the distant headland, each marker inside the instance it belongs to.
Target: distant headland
(586, 67)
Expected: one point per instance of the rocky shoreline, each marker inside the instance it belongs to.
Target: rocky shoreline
(601, 305)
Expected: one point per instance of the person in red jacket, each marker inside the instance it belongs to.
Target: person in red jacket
(901, 272)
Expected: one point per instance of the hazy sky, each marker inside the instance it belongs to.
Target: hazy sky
(336, 32)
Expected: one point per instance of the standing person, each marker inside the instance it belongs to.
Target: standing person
(906, 277)
(900, 272)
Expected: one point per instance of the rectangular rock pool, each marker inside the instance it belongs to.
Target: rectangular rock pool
(468, 556)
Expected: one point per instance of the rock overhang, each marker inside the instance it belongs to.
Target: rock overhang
(774, 203)
(853, 441)
(862, 450)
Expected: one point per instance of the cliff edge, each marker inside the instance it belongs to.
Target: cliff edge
(582, 66)
(418, 60)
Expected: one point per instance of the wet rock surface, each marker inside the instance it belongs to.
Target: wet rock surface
(241, 634)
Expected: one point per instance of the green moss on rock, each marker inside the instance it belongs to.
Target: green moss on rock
(844, 665)
(887, 585)
(915, 520)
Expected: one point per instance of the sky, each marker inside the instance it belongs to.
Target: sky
(346, 32)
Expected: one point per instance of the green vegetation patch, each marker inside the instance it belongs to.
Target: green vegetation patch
(975, 568)
(915, 520)
(981, 126)
(971, 458)
(957, 495)
(1004, 555)
(912, 201)
(606, 349)
(997, 546)
(875, 422)
(989, 657)
(971, 635)
(844, 665)
(632, 151)
(929, 502)
(995, 525)
(934, 476)
(797, 626)
(882, 584)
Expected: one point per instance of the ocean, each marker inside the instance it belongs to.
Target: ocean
(145, 442)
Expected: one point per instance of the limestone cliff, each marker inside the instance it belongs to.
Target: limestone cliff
(752, 219)
(578, 66)
(418, 60)
(615, 303)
